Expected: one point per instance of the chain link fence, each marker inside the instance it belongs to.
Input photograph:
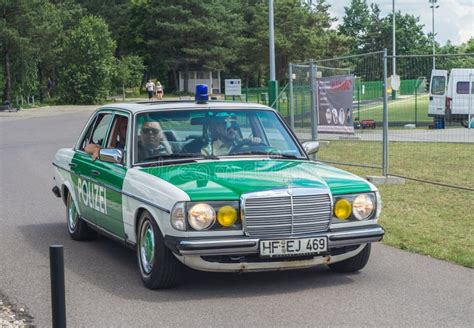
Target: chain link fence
(423, 130)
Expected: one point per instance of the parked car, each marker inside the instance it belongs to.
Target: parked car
(452, 97)
(226, 187)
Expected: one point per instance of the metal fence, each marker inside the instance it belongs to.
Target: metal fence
(424, 130)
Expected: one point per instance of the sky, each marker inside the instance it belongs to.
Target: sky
(454, 19)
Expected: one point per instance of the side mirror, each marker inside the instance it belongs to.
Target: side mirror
(310, 147)
(111, 155)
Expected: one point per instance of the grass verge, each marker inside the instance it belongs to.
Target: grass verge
(419, 217)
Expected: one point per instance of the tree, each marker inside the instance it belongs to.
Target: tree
(127, 72)
(87, 61)
(16, 46)
(183, 35)
(31, 34)
(465, 58)
(355, 23)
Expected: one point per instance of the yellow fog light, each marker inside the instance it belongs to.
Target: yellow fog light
(342, 209)
(227, 215)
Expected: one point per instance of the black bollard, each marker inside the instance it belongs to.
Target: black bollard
(58, 298)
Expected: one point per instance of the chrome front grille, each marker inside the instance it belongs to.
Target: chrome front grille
(286, 212)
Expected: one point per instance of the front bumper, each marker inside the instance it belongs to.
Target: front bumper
(337, 238)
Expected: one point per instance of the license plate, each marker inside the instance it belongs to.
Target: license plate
(289, 247)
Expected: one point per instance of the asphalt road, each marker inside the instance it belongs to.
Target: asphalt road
(103, 287)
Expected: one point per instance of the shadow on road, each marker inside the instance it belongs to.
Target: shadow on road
(112, 268)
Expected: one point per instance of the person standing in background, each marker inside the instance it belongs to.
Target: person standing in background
(159, 90)
(50, 85)
(150, 89)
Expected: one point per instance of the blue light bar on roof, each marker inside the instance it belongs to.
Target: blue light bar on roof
(201, 94)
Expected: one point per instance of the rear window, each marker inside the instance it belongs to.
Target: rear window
(438, 85)
(462, 88)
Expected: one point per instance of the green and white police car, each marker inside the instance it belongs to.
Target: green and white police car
(215, 186)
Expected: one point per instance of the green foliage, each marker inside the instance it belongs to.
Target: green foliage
(19, 53)
(31, 35)
(87, 61)
(370, 32)
(356, 22)
(159, 38)
(464, 60)
(303, 32)
(183, 35)
(127, 72)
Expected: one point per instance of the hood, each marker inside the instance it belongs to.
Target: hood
(229, 179)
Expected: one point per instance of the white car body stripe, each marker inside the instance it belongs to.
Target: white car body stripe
(153, 190)
(62, 175)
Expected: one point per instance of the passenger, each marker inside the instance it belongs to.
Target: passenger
(151, 143)
(118, 142)
(121, 133)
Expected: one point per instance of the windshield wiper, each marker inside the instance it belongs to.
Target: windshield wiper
(181, 156)
(269, 154)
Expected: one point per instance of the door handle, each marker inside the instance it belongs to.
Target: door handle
(431, 97)
(72, 165)
(95, 172)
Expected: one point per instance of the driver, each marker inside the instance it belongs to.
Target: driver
(224, 134)
(152, 143)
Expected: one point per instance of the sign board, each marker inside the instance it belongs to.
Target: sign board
(394, 82)
(335, 104)
(233, 87)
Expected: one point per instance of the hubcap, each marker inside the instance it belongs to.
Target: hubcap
(72, 215)
(147, 247)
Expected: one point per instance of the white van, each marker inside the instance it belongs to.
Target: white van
(455, 99)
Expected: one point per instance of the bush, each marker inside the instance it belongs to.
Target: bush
(87, 57)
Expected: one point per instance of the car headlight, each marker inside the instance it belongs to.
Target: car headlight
(201, 216)
(356, 207)
(363, 206)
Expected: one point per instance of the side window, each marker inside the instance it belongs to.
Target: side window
(438, 85)
(118, 133)
(462, 88)
(97, 131)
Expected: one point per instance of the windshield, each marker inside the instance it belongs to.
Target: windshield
(178, 135)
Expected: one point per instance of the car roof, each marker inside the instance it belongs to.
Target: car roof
(188, 105)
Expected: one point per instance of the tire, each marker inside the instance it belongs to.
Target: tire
(465, 123)
(159, 269)
(354, 263)
(76, 226)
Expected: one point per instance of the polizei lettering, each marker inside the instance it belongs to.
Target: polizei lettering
(92, 195)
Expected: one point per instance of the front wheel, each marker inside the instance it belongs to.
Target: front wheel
(77, 227)
(465, 122)
(158, 266)
(354, 263)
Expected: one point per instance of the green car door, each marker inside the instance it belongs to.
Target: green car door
(98, 184)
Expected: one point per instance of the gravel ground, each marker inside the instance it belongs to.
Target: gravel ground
(13, 316)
